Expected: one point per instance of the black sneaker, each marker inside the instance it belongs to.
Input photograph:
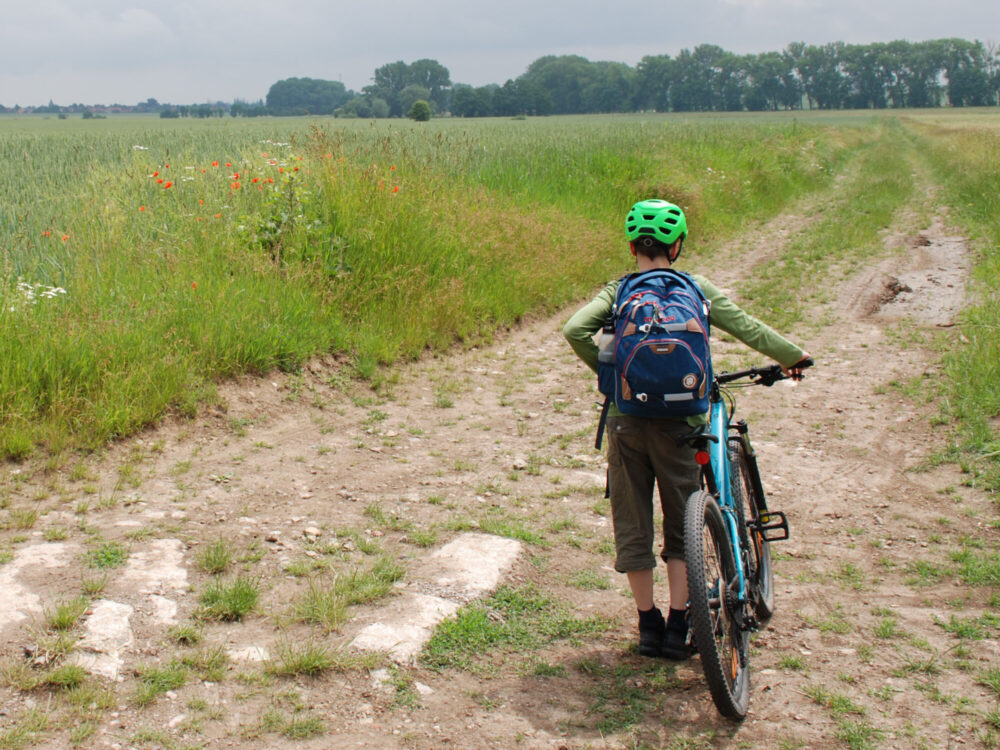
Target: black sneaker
(651, 639)
(676, 645)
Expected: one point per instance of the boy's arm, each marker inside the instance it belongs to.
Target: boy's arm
(728, 316)
(588, 320)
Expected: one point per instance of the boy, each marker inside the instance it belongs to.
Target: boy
(644, 449)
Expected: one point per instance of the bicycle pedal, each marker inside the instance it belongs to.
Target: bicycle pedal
(772, 526)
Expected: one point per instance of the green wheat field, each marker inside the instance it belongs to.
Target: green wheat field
(144, 260)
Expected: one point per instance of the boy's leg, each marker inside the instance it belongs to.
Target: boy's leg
(631, 480)
(676, 477)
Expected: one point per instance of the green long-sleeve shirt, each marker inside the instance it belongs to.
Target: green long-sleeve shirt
(725, 315)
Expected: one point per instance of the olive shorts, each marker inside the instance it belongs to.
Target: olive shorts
(642, 451)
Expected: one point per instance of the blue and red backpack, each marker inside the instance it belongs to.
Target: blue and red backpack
(660, 364)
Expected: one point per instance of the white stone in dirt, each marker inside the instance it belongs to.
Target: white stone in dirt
(18, 600)
(473, 564)
(164, 610)
(405, 625)
(249, 653)
(108, 636)
(157, 567)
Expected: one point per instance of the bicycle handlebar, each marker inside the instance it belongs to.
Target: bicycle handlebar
(766, 376)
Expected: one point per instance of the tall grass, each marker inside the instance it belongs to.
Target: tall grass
(968, 164)
(277, 241)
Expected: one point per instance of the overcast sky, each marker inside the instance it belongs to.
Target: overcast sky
(189, 51)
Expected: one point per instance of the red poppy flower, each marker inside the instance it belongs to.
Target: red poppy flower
(218, 216)
(159, 181)
(235, 185)
(254, 180)
(142, 208)
(168, 185)
(201, 202)
(229, 164)
(296, 169)
(65, 237)
(281, 169)
(392, 168)
(166, 166)
(215, 163)
(203, 171)
(156, 173)
(46, 233)
(396, 189)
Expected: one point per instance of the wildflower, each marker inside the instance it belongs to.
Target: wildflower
(218, 216)
(229, 164)
(296, 169)
(396, 189)
(272, 162)
(194, 284)
(159, 181)
(197, 218)
(235, 185)
(166, 166)
(281, 169)
(392, 168)
(254, 180)
(156, 173)
(142, 208)
(201, 202)
(327, 156)
(65, 237)
(264, 155)
(46, 233)
(215, 163)
(235, 176)
(168, 185)
(203, 171)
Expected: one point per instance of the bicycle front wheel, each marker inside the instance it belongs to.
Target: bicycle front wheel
(752, 508)
(714, 618)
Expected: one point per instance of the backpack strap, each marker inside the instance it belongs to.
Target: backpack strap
(602, 422)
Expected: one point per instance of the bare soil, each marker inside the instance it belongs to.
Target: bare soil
(313, 468)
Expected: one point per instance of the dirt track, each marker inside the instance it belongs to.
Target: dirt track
(502, 438)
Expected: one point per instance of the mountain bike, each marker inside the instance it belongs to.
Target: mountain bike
(728, 530)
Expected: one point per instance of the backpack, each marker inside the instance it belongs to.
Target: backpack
(656, 360)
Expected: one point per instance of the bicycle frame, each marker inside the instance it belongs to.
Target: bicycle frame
(716, 476)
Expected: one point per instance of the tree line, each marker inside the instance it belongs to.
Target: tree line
(708, 78)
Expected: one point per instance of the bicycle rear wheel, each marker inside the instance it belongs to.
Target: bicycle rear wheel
(751, 507)
(722, 642)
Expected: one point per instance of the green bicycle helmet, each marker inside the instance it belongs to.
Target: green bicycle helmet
(658, 219)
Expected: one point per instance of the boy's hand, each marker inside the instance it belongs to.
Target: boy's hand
(795, 371)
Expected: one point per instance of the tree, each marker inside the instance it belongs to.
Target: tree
(652, 83)
(412, 94)
(300, 96)
(420, 111)
(433, 76)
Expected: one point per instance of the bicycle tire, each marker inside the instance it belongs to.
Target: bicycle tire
(722, 643)
(751, 506)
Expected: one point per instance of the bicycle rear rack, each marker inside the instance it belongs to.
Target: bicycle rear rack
(772, 526)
